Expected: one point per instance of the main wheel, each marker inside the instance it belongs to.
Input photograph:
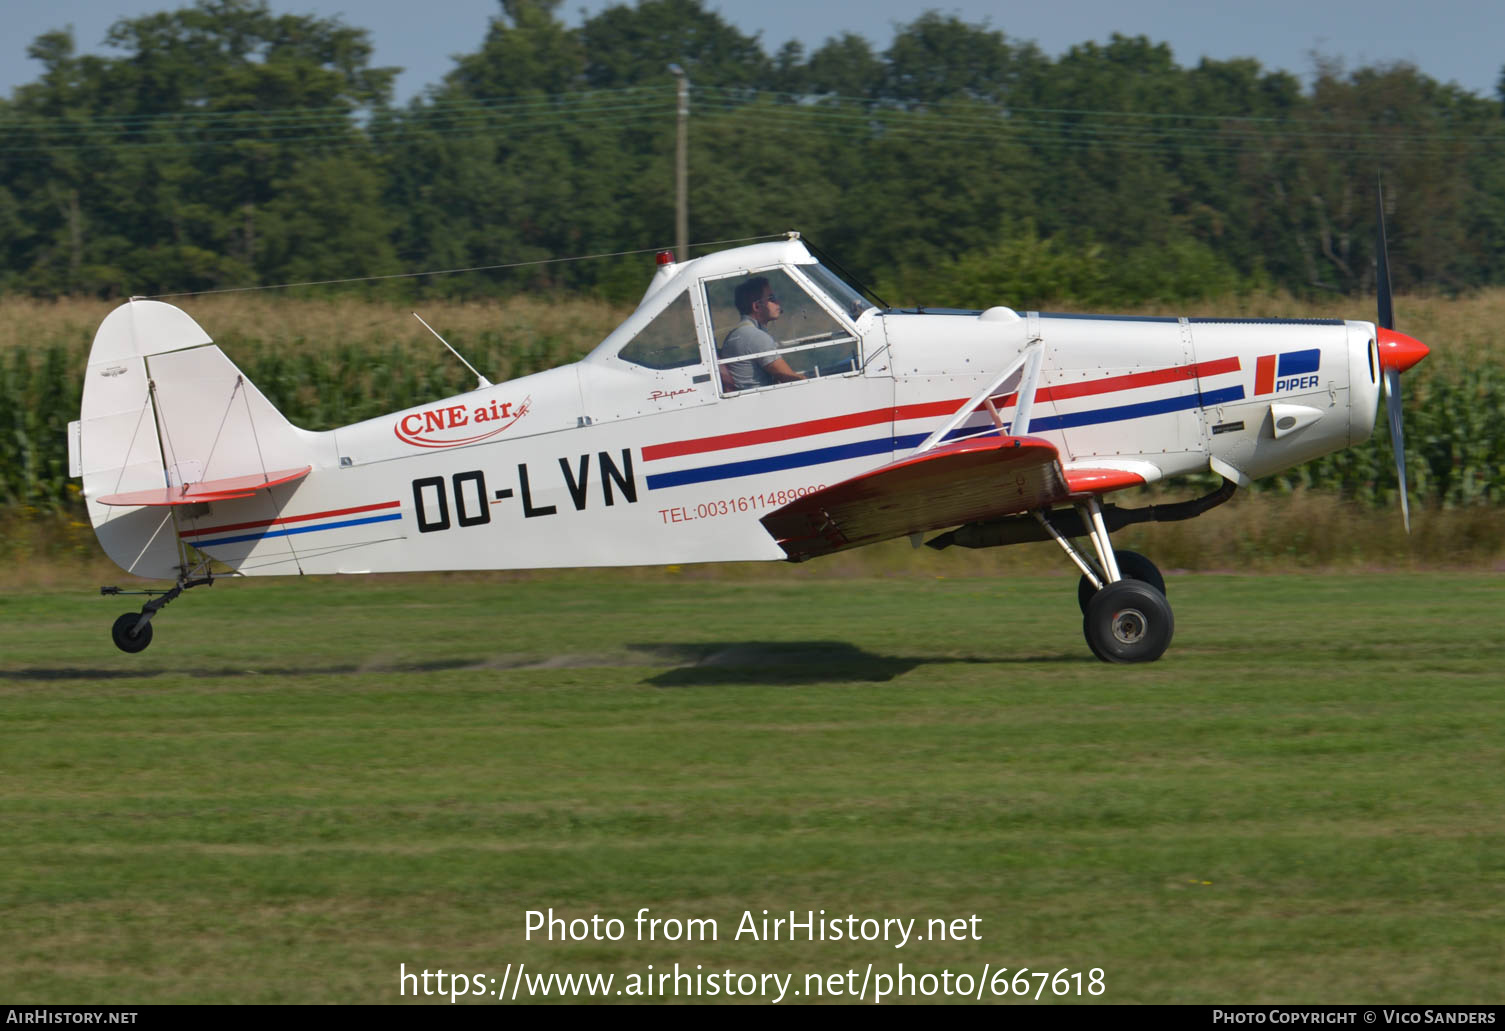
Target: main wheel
(127, 637)
(1128, 621)
(1132, 566)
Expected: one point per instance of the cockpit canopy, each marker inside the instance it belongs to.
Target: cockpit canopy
(684, 323)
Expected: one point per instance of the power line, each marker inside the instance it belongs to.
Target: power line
(506, 120)
(346, 111)
(386, 121)
(454, 271)
(495, 130)
(1082, 137)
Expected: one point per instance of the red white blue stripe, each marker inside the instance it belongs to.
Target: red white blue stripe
(893, 442)
(289, 526)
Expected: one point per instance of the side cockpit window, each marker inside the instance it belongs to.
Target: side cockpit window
(669, 341)
(770, 329)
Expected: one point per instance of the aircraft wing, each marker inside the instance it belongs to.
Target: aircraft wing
(946, 486)
(961, 482)
(207, 490)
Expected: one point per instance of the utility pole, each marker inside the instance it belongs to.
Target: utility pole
(682, 167)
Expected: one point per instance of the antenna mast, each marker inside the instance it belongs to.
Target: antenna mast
(481, 381)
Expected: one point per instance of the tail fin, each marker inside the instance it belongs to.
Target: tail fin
(164, 409)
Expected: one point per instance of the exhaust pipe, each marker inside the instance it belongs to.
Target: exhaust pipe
(1025, 529)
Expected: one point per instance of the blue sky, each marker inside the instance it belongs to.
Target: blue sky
(1451, 40)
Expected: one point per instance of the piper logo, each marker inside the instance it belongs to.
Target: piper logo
(457, 425)
(1292, 370)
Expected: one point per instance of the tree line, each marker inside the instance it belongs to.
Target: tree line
(221, 146)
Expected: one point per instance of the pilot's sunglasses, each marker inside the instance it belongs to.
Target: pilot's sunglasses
(770, 299)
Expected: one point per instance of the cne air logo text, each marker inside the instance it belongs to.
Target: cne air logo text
(458, 425)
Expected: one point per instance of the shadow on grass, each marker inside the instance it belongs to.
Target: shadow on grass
(698, 664)
(709, 664)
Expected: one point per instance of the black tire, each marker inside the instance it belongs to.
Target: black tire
(1132, 566)
(125, 640)
(1128, 621)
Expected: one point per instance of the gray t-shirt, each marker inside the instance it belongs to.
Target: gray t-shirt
(749, 338)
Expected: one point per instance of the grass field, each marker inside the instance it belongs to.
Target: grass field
(302, 785)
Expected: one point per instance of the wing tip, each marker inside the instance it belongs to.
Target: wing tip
(1101, 481)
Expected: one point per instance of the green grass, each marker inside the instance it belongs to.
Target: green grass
(301, 785)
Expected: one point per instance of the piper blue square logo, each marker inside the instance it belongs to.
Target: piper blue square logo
(1299, 363)
(1291, 370)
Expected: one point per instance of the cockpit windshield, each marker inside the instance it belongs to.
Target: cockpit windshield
(851, 302)
(769, 328)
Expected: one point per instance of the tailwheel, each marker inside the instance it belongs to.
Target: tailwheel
(129, 632)
(1128, 621)
(1132, 566)
(128, 637)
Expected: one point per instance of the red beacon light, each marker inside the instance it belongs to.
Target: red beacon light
(664, 258)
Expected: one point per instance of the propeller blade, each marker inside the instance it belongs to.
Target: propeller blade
(1397, 438)
(1397, 351)
(1382, 262)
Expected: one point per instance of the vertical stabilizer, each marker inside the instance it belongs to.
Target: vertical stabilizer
(164, 407)
(119, 449)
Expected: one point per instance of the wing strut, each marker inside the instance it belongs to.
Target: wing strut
(1027, 368)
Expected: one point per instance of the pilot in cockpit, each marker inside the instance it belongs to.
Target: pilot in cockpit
(758, 307)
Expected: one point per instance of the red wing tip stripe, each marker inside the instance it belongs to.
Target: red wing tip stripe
(229, 527)
(1100, 481)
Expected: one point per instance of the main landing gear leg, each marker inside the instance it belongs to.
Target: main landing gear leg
(1125, 617)
(1091, 512)
(132, 632)
(1089, 575)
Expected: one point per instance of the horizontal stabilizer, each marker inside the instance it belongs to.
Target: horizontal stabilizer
(956, 483)
(228, 489)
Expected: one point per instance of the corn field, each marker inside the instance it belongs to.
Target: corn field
(328, 363)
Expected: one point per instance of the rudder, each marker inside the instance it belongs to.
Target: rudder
(163, 407)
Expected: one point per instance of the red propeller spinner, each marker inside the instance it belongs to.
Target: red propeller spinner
(1398, 351)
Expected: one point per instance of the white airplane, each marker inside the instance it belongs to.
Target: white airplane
(754, 407)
